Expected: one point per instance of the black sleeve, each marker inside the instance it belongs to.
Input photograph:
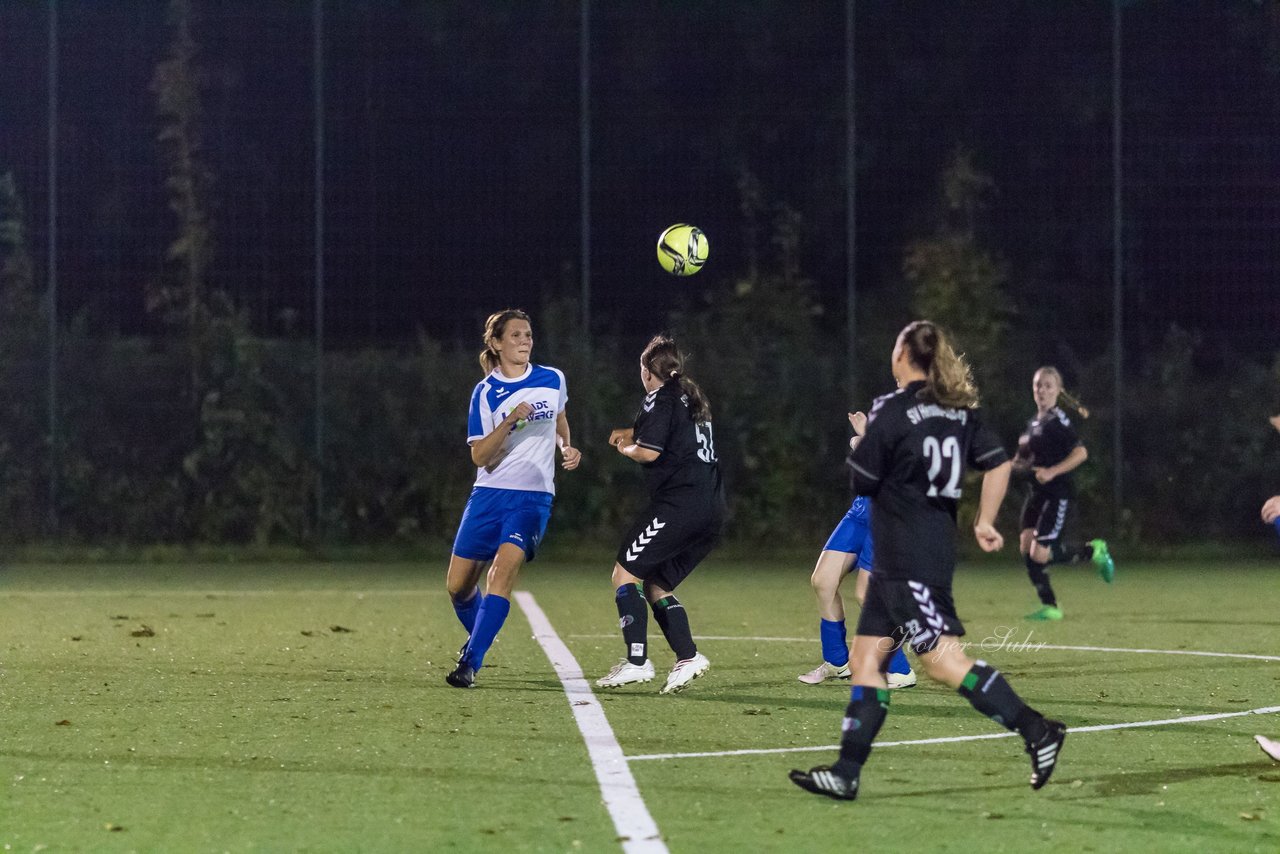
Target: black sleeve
(871, 460)
(985, 450)
(653, 423)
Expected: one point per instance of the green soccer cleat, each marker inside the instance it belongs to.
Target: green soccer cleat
(1048, 612)
(1102, 559)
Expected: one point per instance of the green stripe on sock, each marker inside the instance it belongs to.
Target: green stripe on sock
(970, 681)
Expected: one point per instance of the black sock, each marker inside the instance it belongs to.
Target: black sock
(1040, 578)
(633, 618)
(1061, 553)
(862, 721)
(674, 622)
(988, 692)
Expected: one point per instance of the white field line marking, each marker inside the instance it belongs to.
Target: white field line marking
(1016, 646)
(1265, 710)
(636, 828)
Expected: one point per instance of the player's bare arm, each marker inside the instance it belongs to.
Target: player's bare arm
(484, 450)
(569, 455)
(994, 485)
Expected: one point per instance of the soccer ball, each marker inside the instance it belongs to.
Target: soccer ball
(682, 249)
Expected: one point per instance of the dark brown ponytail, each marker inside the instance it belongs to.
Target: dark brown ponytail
(664, 360)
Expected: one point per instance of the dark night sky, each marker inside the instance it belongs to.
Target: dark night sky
(452, 148)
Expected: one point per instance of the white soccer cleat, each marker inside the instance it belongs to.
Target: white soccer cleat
(685, 672)
(901, 680)
(824, 671)
(1269, 746)
(625, 673)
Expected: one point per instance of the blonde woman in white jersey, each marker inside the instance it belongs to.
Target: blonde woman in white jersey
(516, 423)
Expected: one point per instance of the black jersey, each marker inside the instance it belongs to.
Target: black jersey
(1049, 440)
(911, 463)
(686, 466)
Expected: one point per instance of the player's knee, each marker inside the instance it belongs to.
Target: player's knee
(947, 664)
(823, 584)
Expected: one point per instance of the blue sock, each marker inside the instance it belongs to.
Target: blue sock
(835, 644)
(899, 663)
(493, 613)
(468, 610)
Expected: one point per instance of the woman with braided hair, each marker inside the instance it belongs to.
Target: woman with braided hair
(1049, 450)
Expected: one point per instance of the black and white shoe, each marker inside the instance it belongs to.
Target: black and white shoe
(823, 781)
(464, 676)
(1045, 750)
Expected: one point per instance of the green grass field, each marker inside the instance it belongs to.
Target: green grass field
(292, 707)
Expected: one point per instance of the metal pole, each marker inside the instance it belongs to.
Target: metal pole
(51, 285)
(584, 165)
(1117, 264)
(317, 67)
(850, 203)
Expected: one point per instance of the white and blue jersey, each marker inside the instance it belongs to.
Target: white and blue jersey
(527, 459)
(853, 534)
(511, 500)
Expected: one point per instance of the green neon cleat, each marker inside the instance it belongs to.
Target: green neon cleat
(1102, 558)
(1048, 612)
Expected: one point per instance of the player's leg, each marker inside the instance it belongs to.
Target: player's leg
(879, 633)
(987, 691)
(865, 714)
(478, 536)
(646, 546)
(899, 674)
(1042, 523)
(462, 580)
(492, 614)
(1095, 551)
(523, 525)
(828, 573)
(835, 561)
(670, 613)
(633, 619)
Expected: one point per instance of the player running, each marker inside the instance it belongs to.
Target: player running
(516, 423)
(1049, 450)
(848, 546)
(671, 438)
(919, 441)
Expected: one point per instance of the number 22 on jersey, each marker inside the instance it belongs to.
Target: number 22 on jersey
(944, 464)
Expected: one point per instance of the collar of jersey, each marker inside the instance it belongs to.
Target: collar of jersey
(500, 377)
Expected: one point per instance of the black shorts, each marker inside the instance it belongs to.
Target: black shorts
(669, 540)
(909, 612)
(1046, 515)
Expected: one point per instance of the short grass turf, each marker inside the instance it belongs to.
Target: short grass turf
(294, 707)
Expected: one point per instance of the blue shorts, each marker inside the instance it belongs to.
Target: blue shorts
(853, 534)
(497, 516)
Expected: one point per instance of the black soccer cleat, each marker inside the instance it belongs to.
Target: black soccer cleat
(1045, 750)
(462, 650)
(464, 676)
(823, 781)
